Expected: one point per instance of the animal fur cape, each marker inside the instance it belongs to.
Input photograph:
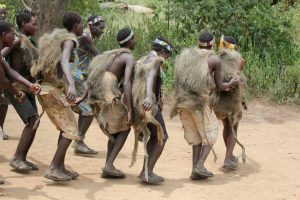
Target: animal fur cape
(193, 82)
(101, 93)
(30, 55)
(230, 103)
(50, 52)
(139, 93)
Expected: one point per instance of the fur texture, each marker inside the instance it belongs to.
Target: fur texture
(139, 93)
(97, 67)
(230, 104)
(193, 82)
(50, 52)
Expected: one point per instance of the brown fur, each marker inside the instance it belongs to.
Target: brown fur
(98, 97)
(139, 93)
(30, 55)
(50, 52)
(194, 84)
(97, 67)
(230, 104)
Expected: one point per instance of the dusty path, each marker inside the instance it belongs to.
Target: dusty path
(271, 135)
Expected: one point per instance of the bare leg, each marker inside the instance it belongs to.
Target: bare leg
(196, 154)
(19, 159)
(84, 123)
(113, 150)
(200, 169)
(230, 144)
(55, 171)
(3, 112)
(226, 129)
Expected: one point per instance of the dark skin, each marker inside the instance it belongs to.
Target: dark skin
(3, 14)
(122, 67)
(154, 150)
(228, 136)
(57, 166)
(17, 63)
(201, 152)
(86, 46)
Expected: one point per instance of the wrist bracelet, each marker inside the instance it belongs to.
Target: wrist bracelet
(19, 99)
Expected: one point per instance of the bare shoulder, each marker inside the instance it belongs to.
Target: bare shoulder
(85, 39)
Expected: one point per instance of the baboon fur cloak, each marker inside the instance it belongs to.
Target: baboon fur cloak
(50, 53)
(30, 56)
(194, 85)
(231, 102)
(101, 93)
(139, 92)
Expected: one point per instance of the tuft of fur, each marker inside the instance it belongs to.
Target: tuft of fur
(50, 52)
(193, 82)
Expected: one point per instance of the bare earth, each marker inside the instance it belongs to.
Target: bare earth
(270, 133)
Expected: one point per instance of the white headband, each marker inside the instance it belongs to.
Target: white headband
(127, 39)
(207, 44)
(163, 43)
(97, 19)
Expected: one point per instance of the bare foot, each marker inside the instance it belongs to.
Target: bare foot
(229, 164)
(56, 174)
(112, 172)
(19, 165)
(153, 179)
(71, 174)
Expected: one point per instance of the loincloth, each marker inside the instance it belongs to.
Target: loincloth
(195, 132)
(110, 112)
(53, 101)
(84, 107)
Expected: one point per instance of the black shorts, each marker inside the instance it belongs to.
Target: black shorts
(153, 128)
(27, 110)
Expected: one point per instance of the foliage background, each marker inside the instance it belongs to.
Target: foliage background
(268, 35)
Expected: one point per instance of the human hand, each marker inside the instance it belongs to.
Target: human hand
(35, 88)
(130, 118)
(147, 105)
(71, 95)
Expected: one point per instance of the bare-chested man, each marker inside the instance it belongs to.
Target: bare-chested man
(86, 52)
(198, 73)
(20, 99)
(110, 89)
(20, 59)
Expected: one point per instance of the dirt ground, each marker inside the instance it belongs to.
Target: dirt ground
(270, 133)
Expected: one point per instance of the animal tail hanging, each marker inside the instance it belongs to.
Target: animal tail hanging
(237, 141)
(211, 146)
(36, 123)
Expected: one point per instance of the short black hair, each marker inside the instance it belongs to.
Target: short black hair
(230, 39)
(70, 19)
(206, 37)
(123, 34)
(5, 27)
(157, 47)
(24, 16)
(92, 17)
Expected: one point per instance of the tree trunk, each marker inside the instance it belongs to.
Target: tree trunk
(49, 13)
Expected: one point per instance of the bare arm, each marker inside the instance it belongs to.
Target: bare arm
(150, 81)
(128, 85)
(88, 43)
(242, 64)
(215, 65)
(68, 46)
(5, 84)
